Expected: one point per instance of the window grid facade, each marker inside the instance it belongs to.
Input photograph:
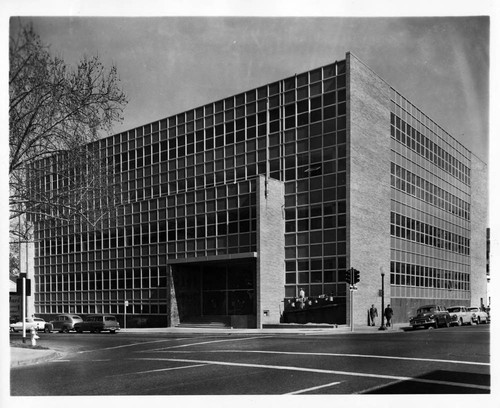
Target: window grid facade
(187, 184)
(430, 207)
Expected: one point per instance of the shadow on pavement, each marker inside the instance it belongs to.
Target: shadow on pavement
(441, 382)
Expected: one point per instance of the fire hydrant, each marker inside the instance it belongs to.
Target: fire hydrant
(34, 336)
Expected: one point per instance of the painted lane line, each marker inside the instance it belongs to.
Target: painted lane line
(312, 388)
(322, 371)
(208, 342)
(377, 387)
(161, 369)
(431, 360)
(132, 345)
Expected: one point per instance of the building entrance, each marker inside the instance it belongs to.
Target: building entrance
(216, 291)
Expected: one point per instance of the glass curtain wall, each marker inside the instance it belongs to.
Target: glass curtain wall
(430, 209)
(186, 185)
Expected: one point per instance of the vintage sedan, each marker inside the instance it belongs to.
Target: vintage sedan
(65, 322)
(431, 316)
(98, 323)
(478, 315)
(460, 315)
(36, 322)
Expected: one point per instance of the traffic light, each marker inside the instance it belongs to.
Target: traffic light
(348, 276)
(356, 276)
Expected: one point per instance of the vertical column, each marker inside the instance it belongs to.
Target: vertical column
(172, 310)
(478, 225)
(368, 180)
(27, 266)
(270, 285)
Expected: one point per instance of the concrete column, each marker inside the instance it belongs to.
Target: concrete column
(270, 285)
(27, 266)
(368, 181)
(478, 223)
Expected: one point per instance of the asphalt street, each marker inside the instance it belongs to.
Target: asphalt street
(452, 360)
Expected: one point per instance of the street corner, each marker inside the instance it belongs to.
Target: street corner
(28, 355)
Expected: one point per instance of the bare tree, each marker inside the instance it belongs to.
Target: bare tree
(56, 112)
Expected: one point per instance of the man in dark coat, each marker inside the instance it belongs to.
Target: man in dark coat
(373, 315)
(388, 312)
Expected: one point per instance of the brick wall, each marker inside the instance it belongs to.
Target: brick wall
(479, 223)
(369, 192)
(271, 251)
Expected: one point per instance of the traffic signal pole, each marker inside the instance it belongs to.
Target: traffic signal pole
(351, 312)
(351, 278)
(23, 317)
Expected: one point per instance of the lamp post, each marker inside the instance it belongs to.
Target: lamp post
(382, 325)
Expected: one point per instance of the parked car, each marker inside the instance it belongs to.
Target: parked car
(478, 316)
(431, 316)
(36, 322)
(65, 322)
(460, 315)
(98, 323)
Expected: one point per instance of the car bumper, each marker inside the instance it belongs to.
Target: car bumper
(423, 323)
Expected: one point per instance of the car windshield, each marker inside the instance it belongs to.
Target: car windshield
(454, 309)
(426, 310)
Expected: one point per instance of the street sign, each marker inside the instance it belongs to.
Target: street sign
(19, 286)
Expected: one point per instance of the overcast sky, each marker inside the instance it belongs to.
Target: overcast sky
(171, 64)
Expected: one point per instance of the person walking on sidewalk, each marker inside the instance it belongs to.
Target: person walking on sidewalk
(373, 315)
(388, 312)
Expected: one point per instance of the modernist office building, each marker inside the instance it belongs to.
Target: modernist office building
(231, 207)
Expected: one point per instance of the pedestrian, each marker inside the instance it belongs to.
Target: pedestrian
(388, 312)
(373, 315)
(302, 294)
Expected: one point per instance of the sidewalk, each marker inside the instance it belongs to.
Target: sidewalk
(21, 356)
(275, 329)
(25, 355)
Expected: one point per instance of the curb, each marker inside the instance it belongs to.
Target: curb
(340, 329)
(23, 356)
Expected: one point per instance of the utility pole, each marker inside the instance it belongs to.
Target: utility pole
(382, 325)
(23, 317)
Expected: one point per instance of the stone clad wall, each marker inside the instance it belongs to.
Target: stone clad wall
(479, 223)
(369, 191)
(271, 251)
